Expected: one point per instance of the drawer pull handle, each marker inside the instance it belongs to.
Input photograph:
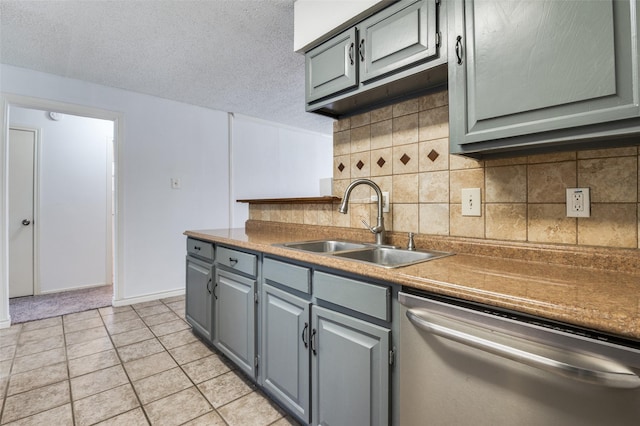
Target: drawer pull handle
(214, 291)
(361, 50)
(208, 288)
(233, 261)
(351, 48)
(196, 247)
(305, 335)
(313, 342)
(459, 49)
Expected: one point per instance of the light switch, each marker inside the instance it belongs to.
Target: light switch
(471, 202)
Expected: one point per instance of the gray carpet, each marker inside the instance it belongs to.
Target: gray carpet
(30, 308)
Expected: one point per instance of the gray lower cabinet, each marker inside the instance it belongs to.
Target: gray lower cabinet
(234, 310)
(536, 75)
(285, 349)
(199, 289)
(326, 366)
(350, 370)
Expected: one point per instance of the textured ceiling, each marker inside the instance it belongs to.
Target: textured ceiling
(230, 55)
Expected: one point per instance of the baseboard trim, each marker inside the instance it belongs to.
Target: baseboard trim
(62, 290)
(6, 323)
(148, 297)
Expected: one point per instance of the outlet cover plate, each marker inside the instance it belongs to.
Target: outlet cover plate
(385, 201)
(578, 202)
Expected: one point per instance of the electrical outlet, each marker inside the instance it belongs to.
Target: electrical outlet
(578, 202)
(385, 201)
(471, 202)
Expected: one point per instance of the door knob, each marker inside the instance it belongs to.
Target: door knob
(26, 222)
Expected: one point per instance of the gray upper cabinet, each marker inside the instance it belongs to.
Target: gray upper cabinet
(391, 55)
(331, 67)
(398, 36)
(536, 75)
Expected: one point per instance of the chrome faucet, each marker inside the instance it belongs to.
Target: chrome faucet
(378, 230)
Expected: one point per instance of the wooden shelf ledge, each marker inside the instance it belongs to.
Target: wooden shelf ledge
(298, 200)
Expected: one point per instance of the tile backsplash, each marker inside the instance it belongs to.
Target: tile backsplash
(404, 149)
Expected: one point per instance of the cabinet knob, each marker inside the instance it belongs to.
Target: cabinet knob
(26, 222)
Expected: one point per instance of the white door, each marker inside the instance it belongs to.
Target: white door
(22, 144)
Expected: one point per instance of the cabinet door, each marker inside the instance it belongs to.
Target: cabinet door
(235, 318)
(199, 288)
(350, 370)
(521, 68)
(285, 349)
(331, 67)
(398, 36)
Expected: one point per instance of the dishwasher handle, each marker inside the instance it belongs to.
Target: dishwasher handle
(614, 376)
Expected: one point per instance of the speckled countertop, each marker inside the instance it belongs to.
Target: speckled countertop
(604, 300)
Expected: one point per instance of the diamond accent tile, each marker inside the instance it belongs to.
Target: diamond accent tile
(380, 162)
(433, 155)
(360, 165)
(341, 167)
(405, 159)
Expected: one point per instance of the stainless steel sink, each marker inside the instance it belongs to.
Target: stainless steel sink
(391, 257)
(325, 246)
(385, 256)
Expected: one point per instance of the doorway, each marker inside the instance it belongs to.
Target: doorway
(46, 233)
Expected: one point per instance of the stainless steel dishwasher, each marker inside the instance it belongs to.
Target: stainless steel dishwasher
(469, 364)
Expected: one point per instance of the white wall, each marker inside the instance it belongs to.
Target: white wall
(160, 139)
(157, 139)
(72, 204)
(319, 19)
(274, 161)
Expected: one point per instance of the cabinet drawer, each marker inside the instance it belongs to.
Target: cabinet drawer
(293, 276)
(369, 299)
(200, 248)
(237, 260)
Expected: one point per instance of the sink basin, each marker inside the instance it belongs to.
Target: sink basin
(391, 257)
(385, 256)
(325, 246)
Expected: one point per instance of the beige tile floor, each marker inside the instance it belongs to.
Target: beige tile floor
(132, 365)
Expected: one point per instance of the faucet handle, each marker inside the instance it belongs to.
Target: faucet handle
(373, 229)
(411, 245)
(364, 222)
